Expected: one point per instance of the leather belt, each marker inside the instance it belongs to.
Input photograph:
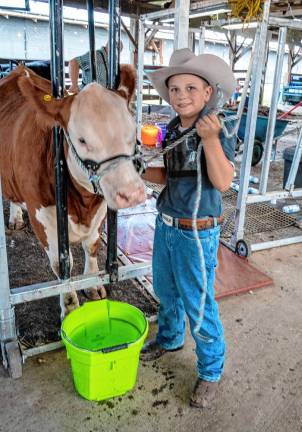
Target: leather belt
(186, 224)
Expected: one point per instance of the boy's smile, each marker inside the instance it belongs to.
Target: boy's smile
(188, 96)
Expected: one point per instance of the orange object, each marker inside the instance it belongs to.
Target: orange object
(149, 135)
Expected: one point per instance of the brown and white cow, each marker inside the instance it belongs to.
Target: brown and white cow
(99, 125)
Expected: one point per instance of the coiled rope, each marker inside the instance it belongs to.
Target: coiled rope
(246, 9)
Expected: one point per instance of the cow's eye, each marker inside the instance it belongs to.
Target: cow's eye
(82, 141)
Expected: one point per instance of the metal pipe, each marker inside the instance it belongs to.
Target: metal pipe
(114, 47)
(290, 183)
(140, 77)
(181, 31)
(295, 24)
(246, 86)
(50, 289)
(91, 32)
(170, 28)
(166, 13)
(202, 40)
(7, 314)
(273, 112)
(114, 42)
(274, 195)
(276, 243)
(31, 352)
(61, 177)
(259, 56)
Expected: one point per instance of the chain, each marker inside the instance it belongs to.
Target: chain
(171, 146)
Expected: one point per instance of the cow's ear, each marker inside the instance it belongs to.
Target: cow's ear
(126, 86)
(51, 110)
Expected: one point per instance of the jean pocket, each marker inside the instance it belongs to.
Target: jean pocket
(203, 235)
(159, 222)
(211, 251)
(210, 243)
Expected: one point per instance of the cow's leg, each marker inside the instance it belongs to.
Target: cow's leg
(15, 217)
(45, 218)
(71, 300)
(91, 266)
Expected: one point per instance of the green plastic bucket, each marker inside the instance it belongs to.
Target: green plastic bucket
(103, 340)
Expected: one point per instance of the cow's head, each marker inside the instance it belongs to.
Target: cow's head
(100, 126)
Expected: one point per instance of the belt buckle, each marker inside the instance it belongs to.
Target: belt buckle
(167, 219)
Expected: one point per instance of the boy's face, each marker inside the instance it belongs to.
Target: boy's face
(188, 95)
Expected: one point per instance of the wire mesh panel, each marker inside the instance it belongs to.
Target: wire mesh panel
(260, 217)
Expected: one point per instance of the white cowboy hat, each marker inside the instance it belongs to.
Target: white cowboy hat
(207, 66)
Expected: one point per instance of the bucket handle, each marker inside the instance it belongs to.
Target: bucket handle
(103, 350)
(114, 348)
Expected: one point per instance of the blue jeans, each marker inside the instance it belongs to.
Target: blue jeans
(177, 281)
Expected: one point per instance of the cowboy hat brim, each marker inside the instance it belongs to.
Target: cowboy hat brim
(208, 66)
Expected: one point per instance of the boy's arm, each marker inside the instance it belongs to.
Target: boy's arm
(74, 69)
(220, 169)
(155, 175)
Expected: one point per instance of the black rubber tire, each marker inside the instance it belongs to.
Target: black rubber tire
(14, 359)
(257, 152)
(243, 249)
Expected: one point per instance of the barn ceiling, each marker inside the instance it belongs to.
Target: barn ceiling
(283, 8)
(128, 7)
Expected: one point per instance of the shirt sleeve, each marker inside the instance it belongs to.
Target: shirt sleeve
(228, 144)
(102, 68)
(84, 61)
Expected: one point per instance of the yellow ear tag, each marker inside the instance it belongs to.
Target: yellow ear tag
(47, 98)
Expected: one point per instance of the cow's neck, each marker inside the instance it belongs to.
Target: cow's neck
(82, 204)
(76, 172)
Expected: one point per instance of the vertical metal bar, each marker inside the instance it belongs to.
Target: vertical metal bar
(259, 56)
(7, 313)
(140, 77)
(25, 42)
(264, 67)
(295, 165)
(273, 111)
(245, 89)
(133, 25)
(57, 74)
(232, 40)
(181, 29)
(91, 31)
(202, 40)
(114, 42)
(114, 46)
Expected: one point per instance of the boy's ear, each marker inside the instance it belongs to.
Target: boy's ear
(208, 92)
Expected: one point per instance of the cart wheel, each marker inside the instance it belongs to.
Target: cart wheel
(14, 359)
(257, 152)
(243, 248)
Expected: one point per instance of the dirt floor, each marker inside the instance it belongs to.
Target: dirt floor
(38, 322)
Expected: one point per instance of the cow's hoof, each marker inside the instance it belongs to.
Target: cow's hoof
(102, 291)
(91, 294)
(16, 226)
(71, 302)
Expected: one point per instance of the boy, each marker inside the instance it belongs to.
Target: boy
(190, 85)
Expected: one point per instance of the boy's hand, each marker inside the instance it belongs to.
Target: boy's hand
(208, 127)
(73, 89)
